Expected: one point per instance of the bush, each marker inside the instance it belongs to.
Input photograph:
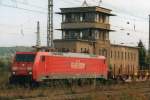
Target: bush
(4, 71)
(5, 64)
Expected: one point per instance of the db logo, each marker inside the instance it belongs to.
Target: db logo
(77, 65)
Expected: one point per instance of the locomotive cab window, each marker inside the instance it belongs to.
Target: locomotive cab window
(25, 57)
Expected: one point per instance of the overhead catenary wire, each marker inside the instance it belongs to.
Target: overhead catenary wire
(25, 9)
(71, 2)
(31, 5)
(123, 17)
(117, 28)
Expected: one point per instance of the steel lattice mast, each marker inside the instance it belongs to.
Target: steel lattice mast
(50, 42)
(38, 41)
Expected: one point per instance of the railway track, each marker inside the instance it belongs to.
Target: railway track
(86, 92)
(35, 98)
(82, 96)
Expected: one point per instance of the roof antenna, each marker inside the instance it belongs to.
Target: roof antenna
(134, 26)
(100, 2)
(85, 4)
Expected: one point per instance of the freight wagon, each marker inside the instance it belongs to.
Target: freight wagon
(41, 66)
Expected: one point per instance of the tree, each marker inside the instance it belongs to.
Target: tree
(142, 55)
(148, 59)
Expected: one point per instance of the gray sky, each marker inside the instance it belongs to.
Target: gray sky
(18, 24)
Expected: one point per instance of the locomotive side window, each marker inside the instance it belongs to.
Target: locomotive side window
(43, 58)
(25, 58)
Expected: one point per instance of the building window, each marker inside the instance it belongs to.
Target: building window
(115, 55)
(107, 36)
(131, 56)
(100, 18)
(125, 55)
(134, 57)
(120, 69)
(99, 51)
(122, 55)
(107, 20)
(81, 50)
(97, 18)
(105, 52)
(96, 34)
(84, 50)
(63, 18)
(68, 17)
(118, 54)
(103, 19)
(128, 56)
(114, 69)
(133, 69)
(128, 69)
(103, 36)
(111, 54)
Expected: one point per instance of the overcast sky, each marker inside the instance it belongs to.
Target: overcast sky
(18, 20)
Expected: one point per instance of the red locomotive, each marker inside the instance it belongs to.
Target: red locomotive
(42, 66)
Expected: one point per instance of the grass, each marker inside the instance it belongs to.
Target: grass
(79, 93)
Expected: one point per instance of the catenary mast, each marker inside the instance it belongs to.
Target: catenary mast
(149, 37)
(38, 41)
(50, 43)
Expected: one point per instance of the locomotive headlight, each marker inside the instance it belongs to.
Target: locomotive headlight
(29, 68)
(30, 73)
(13, 73)
(14, 68)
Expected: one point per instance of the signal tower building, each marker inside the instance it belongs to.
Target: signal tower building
(86, 30)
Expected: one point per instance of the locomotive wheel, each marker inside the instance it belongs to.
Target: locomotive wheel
(34, 84)
(12, 80)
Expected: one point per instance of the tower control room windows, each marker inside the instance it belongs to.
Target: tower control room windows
(85, 17)
(107, 36)
(88, 17)
(85, 34)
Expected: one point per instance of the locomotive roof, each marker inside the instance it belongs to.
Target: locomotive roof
(80, 55)
(25, 52)
(69, 54)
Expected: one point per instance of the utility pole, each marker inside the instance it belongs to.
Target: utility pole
(50, 43)
(149, 37)
(38, 41)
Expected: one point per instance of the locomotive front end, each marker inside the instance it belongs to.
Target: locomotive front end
(22, 66)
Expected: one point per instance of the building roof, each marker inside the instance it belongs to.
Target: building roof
(125, 46)
(76, 55)
(86, 9)
(84, 28)
(80, 40)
